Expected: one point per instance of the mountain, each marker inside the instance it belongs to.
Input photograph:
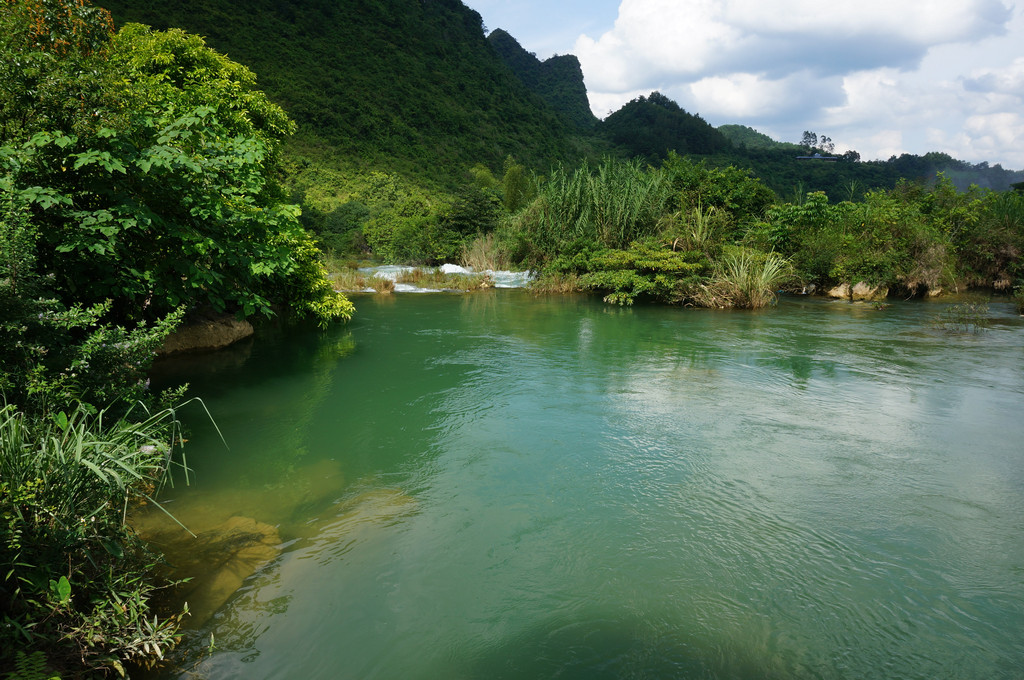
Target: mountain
(558, 80)
(414, 88)
(743, 136)
(652, 126)
(412, 84)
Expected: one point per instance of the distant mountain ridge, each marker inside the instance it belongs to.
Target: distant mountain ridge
(652, 126)
(744, 136)
(557, 80)
(416, 88)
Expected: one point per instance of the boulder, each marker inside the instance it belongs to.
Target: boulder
(207, 334)
(861, 291)
(868, 293)
(842, 291)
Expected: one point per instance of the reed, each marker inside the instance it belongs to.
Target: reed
(381, 284)
(349, 280)
(556, 283)
(611, 206)
(965, 317)
(429, 277)
(75, 576)
(484, 253)
(746, 279)
(701, 229)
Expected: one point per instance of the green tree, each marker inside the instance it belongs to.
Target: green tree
(156, 190)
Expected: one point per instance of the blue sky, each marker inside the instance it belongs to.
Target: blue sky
(883, 77)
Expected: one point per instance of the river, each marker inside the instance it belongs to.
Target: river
(498, 485)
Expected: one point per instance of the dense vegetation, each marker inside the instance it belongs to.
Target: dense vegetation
(137, 188)
(685, 232)
(457, 103)
(411, 87)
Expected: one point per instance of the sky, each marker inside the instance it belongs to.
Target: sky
(883, 77)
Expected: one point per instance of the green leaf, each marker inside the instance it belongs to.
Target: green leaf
(61, 589)
(113, 547)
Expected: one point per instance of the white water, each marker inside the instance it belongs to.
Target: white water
(502, 279)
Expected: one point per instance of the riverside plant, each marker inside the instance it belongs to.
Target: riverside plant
(964, 317)
(744, 278)
(76, 577)
(700, 229)
(484, 253)
(611, 206)
(431, 277)
(352, 280)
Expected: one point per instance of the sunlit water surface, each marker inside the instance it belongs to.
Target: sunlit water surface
(502, 486)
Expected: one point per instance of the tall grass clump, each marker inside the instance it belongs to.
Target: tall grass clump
(700, 229)
(434, 278)
(744, 278)
(484, 253)
(74, 575)
(609, 207)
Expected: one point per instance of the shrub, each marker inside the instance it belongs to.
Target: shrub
(745, 278)
(645, 269)
(73, 573)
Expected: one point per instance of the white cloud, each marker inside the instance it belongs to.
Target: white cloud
(879, 76)
(1007, 80)
(700, 38)
(748, 95)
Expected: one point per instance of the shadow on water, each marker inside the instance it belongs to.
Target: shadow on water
(608, 645)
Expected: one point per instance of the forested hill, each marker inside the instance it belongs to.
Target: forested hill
(403, 84)
(558, 80)
(416, 89)
(650, 127)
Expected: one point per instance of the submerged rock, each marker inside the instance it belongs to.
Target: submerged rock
(208, 334)
(841, 292)
(216, 562)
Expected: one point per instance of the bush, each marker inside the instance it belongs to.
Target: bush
(645, 269)
(74, 575)
(746, 279)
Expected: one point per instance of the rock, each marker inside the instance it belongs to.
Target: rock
(868, 293)
(861, 291)
(216, 562)
(207, 335)
(842, 291)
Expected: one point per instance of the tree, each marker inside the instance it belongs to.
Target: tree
(155, 188)
(810, 139)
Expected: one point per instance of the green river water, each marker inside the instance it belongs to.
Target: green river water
(498, 485)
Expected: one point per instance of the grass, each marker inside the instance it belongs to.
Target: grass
(556, 283)
(430, 277)
(484, 254)
(965, 317)
(745, 279)
(352, 280)
(700, 229)
(355, 281)
(75, 576)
